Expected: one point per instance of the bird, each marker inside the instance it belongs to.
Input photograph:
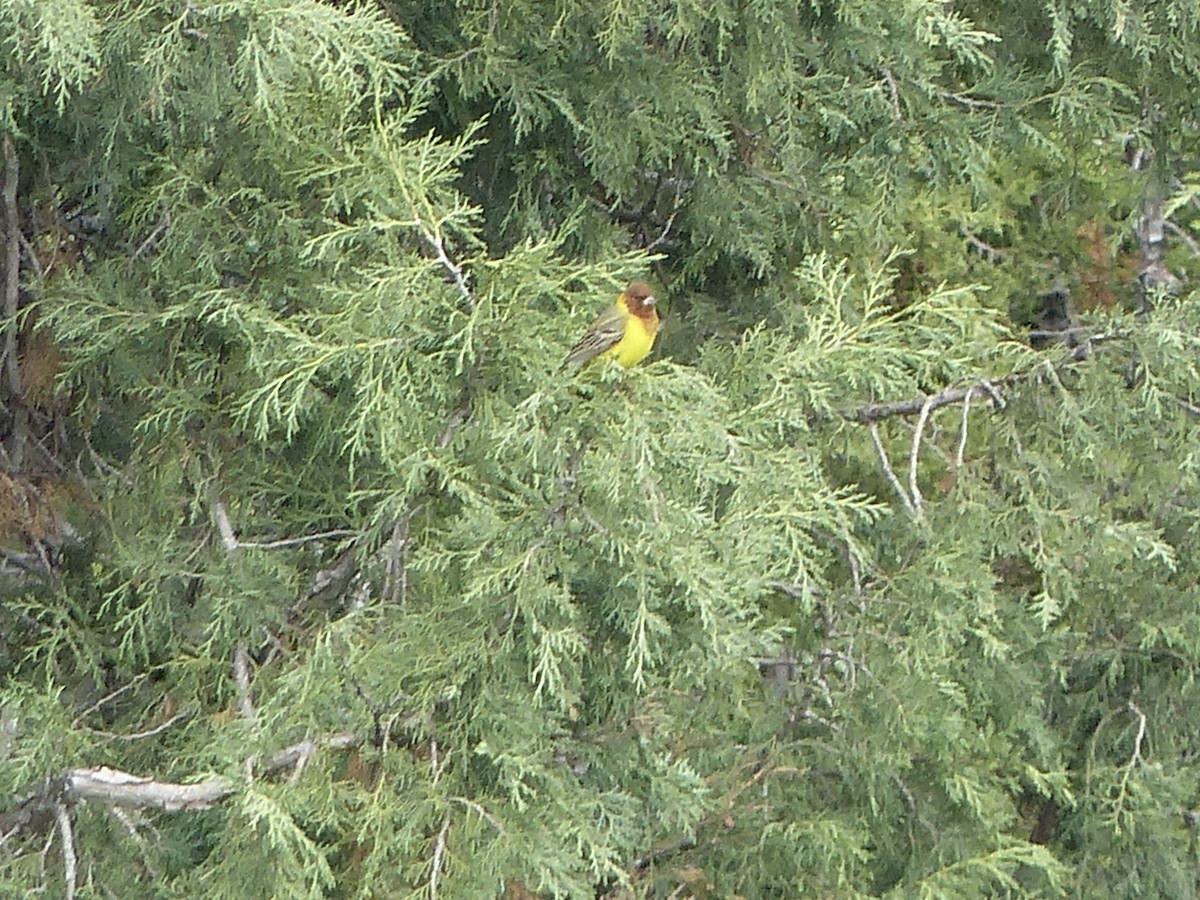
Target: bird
(624, 332)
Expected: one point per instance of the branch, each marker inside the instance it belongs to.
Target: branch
(914, 456)
(434, 240)
(439, 851)
(67, 838)
(112, 787)
(298, 541)
(241, 680)
(962, 434)
(875, 412)
(893, 93)
(12, 264)
(887, 470)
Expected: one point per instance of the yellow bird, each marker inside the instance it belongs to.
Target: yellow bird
(624, 332)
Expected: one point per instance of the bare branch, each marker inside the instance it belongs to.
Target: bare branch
(299, 541)
(39, 809)
(12, 263)
(305, 752)
(67, 839)
(969, 102)
(875, 412)
(666, 229)
(482, 813)
(132, 683)
(1183, 236)
(140, 735)
(439, 852)
(241, 678)
(962, 434)
(224, 527)
(1136, 758)
(913, 457)
(291, 756)
(437, 244)
(116, 788)
(986, 250)
(893, 93)
(887, 468)
(12, 299)
(395, 561)
(1189, 408)
(149, 245)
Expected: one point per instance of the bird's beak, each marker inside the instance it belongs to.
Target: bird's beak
(649, 301)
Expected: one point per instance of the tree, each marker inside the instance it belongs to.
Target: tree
(320, 581)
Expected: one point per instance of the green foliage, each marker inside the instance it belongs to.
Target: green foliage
(853, 589)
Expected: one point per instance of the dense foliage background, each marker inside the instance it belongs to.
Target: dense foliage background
(880, 578)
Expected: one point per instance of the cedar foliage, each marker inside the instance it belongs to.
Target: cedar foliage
(879, 578)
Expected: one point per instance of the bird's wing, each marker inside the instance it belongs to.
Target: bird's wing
(603, 334)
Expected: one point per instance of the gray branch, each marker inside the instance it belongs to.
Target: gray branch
(43, 804)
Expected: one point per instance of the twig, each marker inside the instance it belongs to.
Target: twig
(224, 527)
(395, 562)
(439, 851)
(112, 695)
(666, 229)
(913, 457)
(304, 750)
(139, 735)
(290, 756)
(969, 102)
(131, 827)
(993, 254)
(1189, 408)
(434, 240)
(241, 678)
(145, 247)
(67, 838)
(962, 434)
(887, 468)
(1183, 236)
(298, 541)
(436, 765)
(482, 813)
(893, 92)
(1141, 735)
(1051, 333)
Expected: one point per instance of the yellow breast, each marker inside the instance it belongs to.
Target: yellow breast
(634, 346)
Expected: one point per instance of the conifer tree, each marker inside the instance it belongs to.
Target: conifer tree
(320, 580)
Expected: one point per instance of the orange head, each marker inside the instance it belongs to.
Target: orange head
(639, 299)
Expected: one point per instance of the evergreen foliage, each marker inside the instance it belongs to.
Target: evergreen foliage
(878, 579)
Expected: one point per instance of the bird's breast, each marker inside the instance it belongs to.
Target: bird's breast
(635, 345)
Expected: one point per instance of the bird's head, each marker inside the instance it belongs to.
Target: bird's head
(639, 299)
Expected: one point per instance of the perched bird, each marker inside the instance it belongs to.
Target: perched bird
(624, 332)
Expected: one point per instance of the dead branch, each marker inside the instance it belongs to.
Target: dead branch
(41, 805)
